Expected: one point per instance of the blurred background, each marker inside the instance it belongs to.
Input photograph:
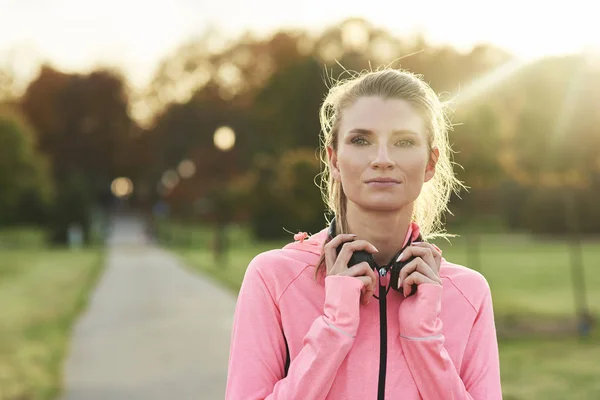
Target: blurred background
(200, 119)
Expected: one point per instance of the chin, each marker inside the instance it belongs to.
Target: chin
(382, 204)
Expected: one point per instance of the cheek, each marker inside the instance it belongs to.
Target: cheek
(414, 165)
(350, 165)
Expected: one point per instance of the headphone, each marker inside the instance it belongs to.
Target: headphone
(393, 266)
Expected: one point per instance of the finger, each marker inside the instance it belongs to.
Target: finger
(339, 239)
(366, 283)
(437, 248)
(373, 276)
(407, 270)
(361, 272)
(364, 272)
(417, 250)
(370, 289)
(331, 249)
(348, 248)
(416, 265)
(367, 291)
(435, 251)
(356, 245)
(360, 269)
(416, 278)
(424, 252)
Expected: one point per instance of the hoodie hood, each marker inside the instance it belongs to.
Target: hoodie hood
(314, 244)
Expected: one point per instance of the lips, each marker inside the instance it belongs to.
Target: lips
(383, 180)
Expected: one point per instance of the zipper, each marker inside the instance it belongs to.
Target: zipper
(383, 289)
(382, 336)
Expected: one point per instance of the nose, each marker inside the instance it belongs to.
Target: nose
(382, 159)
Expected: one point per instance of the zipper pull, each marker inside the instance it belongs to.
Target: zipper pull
(382, 272)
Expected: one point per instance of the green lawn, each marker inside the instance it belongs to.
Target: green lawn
(41, 293)
(530, 281)
(527, 277)
(550, 369)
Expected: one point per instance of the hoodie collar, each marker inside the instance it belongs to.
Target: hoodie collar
(314, 244)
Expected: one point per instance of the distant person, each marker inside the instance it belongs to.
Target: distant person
(309, 327)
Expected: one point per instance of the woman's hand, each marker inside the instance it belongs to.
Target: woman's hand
(337, 264)
(425, 268)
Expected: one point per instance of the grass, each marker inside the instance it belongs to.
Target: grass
(22, 237)
(530, 280)
(527, 276)
(550, 369)
(231, 272)
(41, 292)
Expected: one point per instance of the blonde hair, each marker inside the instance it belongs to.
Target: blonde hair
(392, 84)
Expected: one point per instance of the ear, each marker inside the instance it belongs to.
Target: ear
(333, 163)
(433, 159)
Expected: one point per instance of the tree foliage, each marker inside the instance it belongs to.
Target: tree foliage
(520, 132)
(25, 186)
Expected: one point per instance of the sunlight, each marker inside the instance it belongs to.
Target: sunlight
(592, 54)
(570, 101)
(490, 81)
(355, 36)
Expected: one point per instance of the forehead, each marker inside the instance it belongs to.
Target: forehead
(381, 115)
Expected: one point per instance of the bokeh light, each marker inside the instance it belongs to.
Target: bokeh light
(121, 187)
(170, 179)
(186, 169)
(224, 138)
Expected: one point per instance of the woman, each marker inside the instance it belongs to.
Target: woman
(306, 325)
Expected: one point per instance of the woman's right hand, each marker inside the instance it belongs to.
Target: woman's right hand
(337, 264)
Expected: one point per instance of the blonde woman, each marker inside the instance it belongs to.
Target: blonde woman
(317, 319)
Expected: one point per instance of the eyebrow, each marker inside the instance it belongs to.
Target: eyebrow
(370, 132)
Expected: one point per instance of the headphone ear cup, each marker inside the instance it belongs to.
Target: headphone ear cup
(395, 277)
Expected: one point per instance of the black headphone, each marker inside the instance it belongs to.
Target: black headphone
(392, 267)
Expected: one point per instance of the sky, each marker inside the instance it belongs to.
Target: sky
(135, 35)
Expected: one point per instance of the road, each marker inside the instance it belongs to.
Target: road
(152, 329)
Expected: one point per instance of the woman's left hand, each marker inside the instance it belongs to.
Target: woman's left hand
(425, 268)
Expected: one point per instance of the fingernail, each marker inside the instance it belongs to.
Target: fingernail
(400, 257)
(376, 251)
(352, 234)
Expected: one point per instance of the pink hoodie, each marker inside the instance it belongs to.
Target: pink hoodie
(438, 344)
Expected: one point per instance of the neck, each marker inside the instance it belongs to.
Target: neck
(385, 230)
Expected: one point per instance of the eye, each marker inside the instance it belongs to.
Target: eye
(359, 140)
(405, 143)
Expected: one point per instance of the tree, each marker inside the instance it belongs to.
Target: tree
(82, 122)
(84, 128)
(25, 187)
(284, 196)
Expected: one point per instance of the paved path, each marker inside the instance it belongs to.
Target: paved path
(152, 329)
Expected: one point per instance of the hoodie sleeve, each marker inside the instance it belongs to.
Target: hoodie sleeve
(432, 369)
(258, 350)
